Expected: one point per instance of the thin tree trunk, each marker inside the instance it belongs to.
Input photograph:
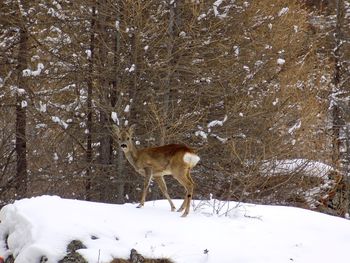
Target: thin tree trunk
(339, 157)
(21, 116)
(172, 31)
(105, 140)
(88, 184)
(120, 190)
(170, 51)
(336, 125)
(133, 88)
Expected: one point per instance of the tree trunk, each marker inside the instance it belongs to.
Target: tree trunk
(21, 116)
(135, 100)
(336, 125)
(120, 190)
(340, 134)
(105, 140)
(88, 183)
(173, 32)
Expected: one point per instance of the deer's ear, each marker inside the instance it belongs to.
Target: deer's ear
(132, 129)
(116, 130)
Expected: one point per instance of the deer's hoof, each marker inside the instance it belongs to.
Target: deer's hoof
(139, 206)
(180, 209)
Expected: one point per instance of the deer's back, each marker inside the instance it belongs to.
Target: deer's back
(163, 157)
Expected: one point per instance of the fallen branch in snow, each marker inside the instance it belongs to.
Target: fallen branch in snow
(135, 257)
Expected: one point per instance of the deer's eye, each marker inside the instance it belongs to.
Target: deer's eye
(128, 138)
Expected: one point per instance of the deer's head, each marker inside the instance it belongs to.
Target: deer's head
(124, 137)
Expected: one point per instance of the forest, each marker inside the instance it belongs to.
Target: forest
(258, 88)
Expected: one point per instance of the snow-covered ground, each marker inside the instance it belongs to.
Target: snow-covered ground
(214, 232)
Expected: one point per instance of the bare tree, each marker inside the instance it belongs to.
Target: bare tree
(21, 105)
(88, 186)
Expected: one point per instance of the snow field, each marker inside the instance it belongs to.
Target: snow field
(43, 226)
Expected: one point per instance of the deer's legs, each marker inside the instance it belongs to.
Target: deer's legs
(148, 178)
(182, 207)
(163, 188)
(186, 181)
(184, 203)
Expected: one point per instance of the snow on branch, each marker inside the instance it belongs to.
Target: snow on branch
(34, 73)
(217, 123)
(214, 123)
(283, 11)
(216, 5)
(62, 123)
(114, 117)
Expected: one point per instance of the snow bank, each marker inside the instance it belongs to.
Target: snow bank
(43, 226)
(289, 166)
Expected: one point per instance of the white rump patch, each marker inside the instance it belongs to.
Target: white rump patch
(191, 158)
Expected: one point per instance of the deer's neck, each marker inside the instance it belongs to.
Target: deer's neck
(132, 156)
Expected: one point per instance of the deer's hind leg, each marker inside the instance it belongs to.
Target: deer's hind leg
(163, 188)
(186, 181)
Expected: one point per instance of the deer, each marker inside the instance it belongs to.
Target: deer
(155, 162)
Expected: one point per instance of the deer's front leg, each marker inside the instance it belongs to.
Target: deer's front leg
(162, 186)
(148, 178)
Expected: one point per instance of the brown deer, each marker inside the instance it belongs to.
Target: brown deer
(155, 162)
